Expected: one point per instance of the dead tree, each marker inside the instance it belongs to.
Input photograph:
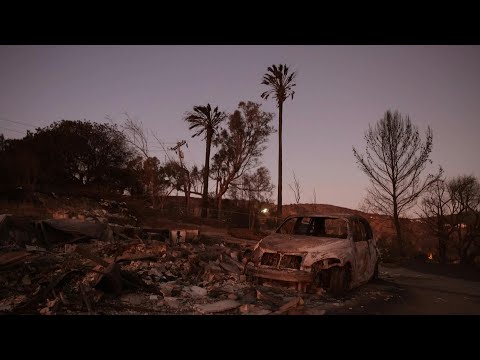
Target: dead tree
(435, 210)
(394, 161)
(465, 195)
(134, 134)
(296, 189)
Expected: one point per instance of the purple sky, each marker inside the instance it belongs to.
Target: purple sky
(340, 90)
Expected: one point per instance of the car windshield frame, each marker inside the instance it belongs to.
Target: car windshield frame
(315, 226)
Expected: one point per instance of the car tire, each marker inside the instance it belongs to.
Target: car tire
(338, 281)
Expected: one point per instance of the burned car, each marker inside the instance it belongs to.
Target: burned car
(332, 252)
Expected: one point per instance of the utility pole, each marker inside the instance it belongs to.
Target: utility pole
(178, 150)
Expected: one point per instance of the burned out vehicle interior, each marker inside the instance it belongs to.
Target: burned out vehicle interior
(315, 226)
(329, 252)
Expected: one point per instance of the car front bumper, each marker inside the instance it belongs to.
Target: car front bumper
(297, 276)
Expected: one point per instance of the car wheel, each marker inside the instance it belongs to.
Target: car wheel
(338, 280)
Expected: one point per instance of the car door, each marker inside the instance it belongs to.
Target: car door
(373, 252)
(362, 252)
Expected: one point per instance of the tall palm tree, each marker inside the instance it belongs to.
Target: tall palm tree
(205, 120)
(281, 85)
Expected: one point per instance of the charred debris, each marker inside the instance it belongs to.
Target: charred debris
(89, 265)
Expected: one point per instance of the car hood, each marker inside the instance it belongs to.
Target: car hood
(300, 243)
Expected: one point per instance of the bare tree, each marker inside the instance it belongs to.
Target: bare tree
(314, 199)
(134, 133)
(159, 180)
(435, 210)
(296, 189)
(365, 205)
(281, 85)
(465, 196)
(395, 160)
(152, 174)
(180, 177)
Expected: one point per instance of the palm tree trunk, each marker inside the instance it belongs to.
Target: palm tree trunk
(205, 174)
(279, 199)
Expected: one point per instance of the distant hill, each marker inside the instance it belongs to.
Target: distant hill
(318, 208)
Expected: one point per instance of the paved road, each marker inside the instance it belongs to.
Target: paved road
(413, 290)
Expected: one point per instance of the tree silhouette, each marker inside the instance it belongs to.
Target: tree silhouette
(67, 154)
(281, 84)
(465, 196)
(205, 120)
(436, 210)
(296, 189)
(240, 145)
(394, 161)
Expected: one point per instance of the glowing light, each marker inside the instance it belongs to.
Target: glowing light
(430, 256)
(265, 211)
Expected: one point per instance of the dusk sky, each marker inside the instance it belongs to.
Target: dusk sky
(340, 91)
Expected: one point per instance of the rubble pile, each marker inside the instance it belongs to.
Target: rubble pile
(116, 212)
(73, 266)
(87, 209)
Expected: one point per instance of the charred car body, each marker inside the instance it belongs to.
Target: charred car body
(333, 252)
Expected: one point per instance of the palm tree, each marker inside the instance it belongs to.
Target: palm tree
(281, 85)
(203, 120)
